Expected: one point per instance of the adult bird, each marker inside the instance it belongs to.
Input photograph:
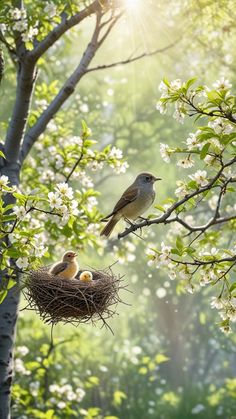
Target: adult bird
(137, 198)
(67, 268)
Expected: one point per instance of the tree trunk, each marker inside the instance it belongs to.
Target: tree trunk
(8, 318)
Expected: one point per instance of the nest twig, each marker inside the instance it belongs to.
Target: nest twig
(73, 301)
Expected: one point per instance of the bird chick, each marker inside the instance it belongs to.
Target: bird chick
(86, 276)
(67, 268)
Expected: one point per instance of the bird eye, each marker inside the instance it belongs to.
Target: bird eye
(148, 178)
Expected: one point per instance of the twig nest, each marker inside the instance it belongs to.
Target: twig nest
(73, 300)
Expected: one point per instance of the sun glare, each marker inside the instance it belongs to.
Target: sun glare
(133, 5)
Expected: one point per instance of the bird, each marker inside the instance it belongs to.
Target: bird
(86, 276)
(133, 203)
(67, 268)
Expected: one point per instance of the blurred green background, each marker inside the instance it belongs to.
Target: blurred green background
(167, 358)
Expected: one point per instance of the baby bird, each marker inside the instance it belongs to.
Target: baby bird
(67, 268)
(86, 276)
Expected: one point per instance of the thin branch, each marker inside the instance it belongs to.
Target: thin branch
(210, 223)
(110, 27)
(76, 163)
(132, 59)
(198, 262)
(216, 219)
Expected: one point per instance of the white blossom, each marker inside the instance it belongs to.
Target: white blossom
(20, 26)
(200, 177)
(61, 405)
(217, 302)
(59, 161)
(28, 36)
(34, 388)
(176, 84)
(220, 126)
(120, 167)
(19, 212)
(80, 393)
(40, 250)
(115, 153)
(4, 180)
(231, 313)
(22, 350)
(55, 200)
(189, 288)
(197, 409)
(226, 329)
(65, 190)
(161, 107)
(165, 152)
(95, 165)
(17, 14)
(209, 159)
(222, 84)
(22, 263)
(179, 115)
(20, 368)
(192, 140)
(3, 28)
(186, 163)
(182, 190)
(50, 10)
(163, 88)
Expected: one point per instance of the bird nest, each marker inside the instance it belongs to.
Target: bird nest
(72, 300)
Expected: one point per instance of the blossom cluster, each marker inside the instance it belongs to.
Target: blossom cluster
(197, 255)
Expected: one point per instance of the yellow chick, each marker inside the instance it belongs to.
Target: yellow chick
(86, 276)
(67, 268)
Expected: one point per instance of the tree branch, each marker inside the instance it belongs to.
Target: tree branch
(164, 218)
(63, 95)
(132, 59)
(63, 27)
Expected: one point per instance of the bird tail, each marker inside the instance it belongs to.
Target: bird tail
(109, 226)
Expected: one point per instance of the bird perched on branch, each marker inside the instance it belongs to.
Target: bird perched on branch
(67, 268)
(86, 276)
(133, 203)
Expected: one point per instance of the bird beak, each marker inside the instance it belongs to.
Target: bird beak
(157, 178)
(75, 254)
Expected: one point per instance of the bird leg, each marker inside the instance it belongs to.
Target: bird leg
(129, 222)
(133, 225)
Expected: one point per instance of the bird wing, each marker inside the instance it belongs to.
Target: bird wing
(128, 196)
(59, 267)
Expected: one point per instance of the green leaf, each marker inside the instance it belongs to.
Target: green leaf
(159, 207)
(190, 82)
(204, 151)
(49, 414)
(233, 286)
(179, 244)
(176, 252)
(118, 397)
(11, 283)
(161, 358)
(202, 318)
(2, 155)
(3, 295)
